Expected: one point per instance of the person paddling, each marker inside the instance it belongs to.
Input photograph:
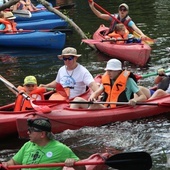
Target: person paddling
(43, 148)
(122, 16)
(117, 85)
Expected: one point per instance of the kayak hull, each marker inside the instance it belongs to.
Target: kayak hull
(63, 118)
(35, 39)
(41, 24)
(39, 15)
(136, 53)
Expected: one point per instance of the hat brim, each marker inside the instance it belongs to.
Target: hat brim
(61, 56)
(12, 18)
(112, 69)
(30, 83)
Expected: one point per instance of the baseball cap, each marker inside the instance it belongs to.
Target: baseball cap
(70, 51)
(30, 80)
(41, 124)
(125, 5)
(113, 64)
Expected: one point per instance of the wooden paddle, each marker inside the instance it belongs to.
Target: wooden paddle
(44, 109)
(22, 13)
(122, 161)
(148, 40)
(149, 75)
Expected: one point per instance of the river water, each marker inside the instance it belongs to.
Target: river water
(150, 135)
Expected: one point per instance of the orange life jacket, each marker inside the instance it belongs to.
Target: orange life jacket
(22, 104)
(115, 92)
(8, 25)
(118, 36)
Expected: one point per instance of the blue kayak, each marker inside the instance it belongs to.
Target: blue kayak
(42, 14)
(37, 39)
(42, 24)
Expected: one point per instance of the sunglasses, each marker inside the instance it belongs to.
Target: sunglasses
(122, 9)
(33, 129)
(30, 85)
(68, 58)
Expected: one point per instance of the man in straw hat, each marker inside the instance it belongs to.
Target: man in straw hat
(43, 148)
(122, 16)
(72, 75)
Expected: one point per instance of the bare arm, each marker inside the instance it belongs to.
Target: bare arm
(10, 162)
(93, 86)
(98, 13)
(138, 31)
(96, 94)
(49, 85)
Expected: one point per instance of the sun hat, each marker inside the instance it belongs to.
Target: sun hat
(42, 124)
(68, 51)
(125, 5)
(9, 15)
(113, 64)
(30, 80)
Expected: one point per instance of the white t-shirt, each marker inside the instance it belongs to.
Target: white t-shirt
(76, 79)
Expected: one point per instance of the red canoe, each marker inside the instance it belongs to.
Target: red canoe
(136, 53)
(62, 117)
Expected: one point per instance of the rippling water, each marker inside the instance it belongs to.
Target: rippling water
(151, 135)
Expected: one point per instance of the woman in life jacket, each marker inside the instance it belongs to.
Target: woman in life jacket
(117, 85)
(31, 89)
(7, 23)
(122, 16)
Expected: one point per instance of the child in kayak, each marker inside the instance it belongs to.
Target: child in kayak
(120, 35)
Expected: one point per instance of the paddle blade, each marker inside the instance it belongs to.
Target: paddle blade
(41, 109)
(60, 89)
(130, 161)
(90, 41)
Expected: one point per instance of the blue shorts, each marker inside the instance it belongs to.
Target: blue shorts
(152, 92)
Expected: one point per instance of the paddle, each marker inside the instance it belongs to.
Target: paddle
(44, 109)
(149, 75)
(120, 103)
(61, 91)
(148, 40)
(91, 41)
(121, 161)
(22, 13)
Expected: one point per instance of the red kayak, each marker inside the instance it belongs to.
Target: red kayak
(63, 118)
(136, 53)
(8, 116)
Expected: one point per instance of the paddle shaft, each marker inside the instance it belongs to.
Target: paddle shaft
(150, 74)
(132, 160)
(120, 103)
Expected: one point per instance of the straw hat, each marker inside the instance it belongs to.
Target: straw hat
(69, 51)
(9, 15)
